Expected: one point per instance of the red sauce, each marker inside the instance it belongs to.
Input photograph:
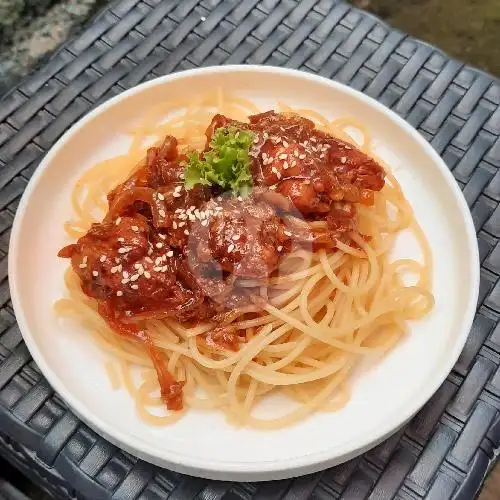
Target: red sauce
(162, 251)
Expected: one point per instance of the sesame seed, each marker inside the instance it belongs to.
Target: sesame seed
(174, 225)
(313, 139)
(230, 248)
(137, 266)
(302, 157)
(125, 274)
(322, 155)
(135, 228)
(157, 269)
(117, 221)
(278, 175)
(280, 248)
(82, 266)
(85, 259)
(273, 169)
(150, 251)
(285, 144)
(162, 236)
(192, 217)
(270, 159)
(162, 213)
(117, 260)
(119, 293)
(161, 197)
(164, 268)
(176, 195)
(135, 287)
(177, 189)
(288, 233)
(95, 273)
(123, 250)
(186, 232)
(148, 259)
(125, 281)
(343, 159)
(283, 156)
(140, 271)
(273, 188)
(181, 224)
(147, 275)
(236, 237)
(256, 139)
(285, 165)
(134, 277)
(121, 240)
(170, 253)
(293, 163)
(265, 135)
(119, 267)
(159, 245)
(240, 198)
(102, 258)
(114, 270)
(296, 153)
(204, 222)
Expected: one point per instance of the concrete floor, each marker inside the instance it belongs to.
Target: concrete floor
(466, 29)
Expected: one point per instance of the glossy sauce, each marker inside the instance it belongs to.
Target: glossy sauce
(162, 251)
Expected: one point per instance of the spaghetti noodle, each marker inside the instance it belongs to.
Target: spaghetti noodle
(316, 316)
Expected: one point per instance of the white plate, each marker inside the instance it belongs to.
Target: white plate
(202, 444)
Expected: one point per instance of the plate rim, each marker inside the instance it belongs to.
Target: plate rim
(245, 471)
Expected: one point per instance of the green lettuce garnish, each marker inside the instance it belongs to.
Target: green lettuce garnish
(226, 164)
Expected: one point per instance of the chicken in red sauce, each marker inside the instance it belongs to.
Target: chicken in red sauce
(164, 251)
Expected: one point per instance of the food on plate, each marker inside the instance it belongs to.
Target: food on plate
(243, 257)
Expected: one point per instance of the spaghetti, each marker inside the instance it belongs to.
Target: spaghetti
(316, 315)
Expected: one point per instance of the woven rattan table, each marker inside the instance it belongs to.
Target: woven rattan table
(447, 449)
